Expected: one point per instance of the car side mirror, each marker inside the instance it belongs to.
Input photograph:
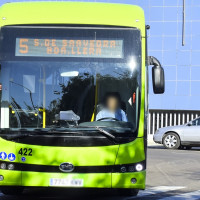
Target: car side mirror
(158, 76)
(189, 124)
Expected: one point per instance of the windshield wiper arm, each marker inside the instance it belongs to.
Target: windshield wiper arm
(102, 131)
(105, 132)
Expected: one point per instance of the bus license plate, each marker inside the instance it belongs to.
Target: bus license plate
(66, 182)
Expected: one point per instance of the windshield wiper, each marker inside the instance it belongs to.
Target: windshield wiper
(113, 129)
(62, 130)
(82, 128)
(106, 133)
(100, 130)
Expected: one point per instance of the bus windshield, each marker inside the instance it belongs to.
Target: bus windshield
(66, 76)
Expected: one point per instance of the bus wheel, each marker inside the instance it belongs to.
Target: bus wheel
(171, 141)
(128, 192)
(12, 190)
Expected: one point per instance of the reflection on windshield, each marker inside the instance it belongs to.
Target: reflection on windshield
(34, 93)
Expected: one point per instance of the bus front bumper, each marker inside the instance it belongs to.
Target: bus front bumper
(73, 180)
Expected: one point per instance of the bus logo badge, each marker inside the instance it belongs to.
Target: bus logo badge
(66, 167)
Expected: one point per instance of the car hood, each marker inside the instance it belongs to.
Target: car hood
(170, 128)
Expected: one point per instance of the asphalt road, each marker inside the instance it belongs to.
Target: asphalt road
(171, 175)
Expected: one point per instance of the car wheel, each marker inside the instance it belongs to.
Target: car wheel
(12, 190)
(128, 192)
(171, 141)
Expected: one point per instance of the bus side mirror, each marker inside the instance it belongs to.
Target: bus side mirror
(158, 76)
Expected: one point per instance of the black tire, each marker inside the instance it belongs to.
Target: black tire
(185, 147)
(12, 190)
(128, 192)
(181, 147)
(171, 141)
(188, 148)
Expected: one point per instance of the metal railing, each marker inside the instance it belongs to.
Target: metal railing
(162, 118)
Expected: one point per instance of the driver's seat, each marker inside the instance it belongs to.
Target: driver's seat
(98, 109)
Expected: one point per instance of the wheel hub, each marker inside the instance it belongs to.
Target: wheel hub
(170, 141)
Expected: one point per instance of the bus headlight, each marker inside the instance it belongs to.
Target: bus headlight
(133, 180)
(11, 166)
(131, 168)
(123, 169)
(3, 166)
(139, 167)
(1, 177)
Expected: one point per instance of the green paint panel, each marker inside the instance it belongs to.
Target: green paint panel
(123, 180)
(132, 152)
(8, 147)
(78, 156)
(101, 180)
(72, 13)
(11, 177)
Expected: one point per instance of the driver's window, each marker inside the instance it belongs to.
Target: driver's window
(196, 122)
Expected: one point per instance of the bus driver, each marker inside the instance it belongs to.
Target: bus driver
(112, 108)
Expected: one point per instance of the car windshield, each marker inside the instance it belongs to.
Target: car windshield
(69, 77)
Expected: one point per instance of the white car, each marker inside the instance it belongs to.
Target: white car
(183, 136)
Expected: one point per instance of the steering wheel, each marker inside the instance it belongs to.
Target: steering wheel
(111, 118)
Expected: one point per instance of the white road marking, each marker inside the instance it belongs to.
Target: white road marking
(159, 189)
(190, 195)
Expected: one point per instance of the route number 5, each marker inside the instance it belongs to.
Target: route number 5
(23, 46)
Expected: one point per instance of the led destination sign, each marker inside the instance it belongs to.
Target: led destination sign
(69, 48)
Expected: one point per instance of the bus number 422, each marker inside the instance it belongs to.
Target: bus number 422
(25, 152)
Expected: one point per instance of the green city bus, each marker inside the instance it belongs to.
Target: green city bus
(74, 96)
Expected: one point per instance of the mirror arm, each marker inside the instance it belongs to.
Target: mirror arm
(154, 61)
(158, 77)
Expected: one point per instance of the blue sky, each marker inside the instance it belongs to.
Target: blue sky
(181, 63)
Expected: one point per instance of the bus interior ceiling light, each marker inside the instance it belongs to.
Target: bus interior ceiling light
(69, 74)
